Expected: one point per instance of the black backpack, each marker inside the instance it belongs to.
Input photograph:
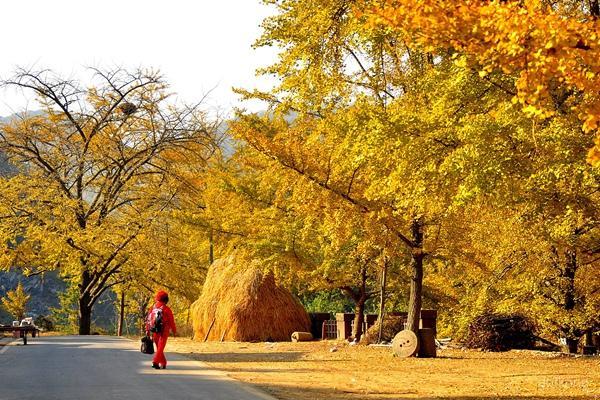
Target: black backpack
(147, 345)
(156, 320)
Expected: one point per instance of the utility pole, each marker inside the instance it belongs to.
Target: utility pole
(121, 314)
(382, 297)
(211, 247)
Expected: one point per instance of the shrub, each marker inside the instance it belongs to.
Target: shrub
(501, 332)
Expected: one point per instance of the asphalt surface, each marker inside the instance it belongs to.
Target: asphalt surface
(104, 367)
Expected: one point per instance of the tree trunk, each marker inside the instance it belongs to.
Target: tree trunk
(85, 318)
(359, 296)
(589, 338)
(142, 314)
(85, 307)
(382, 299)
(121, 315)
(572, 345)
(416, 283)
(569, 275)
(359, 318)
(416, 294)
(569, 296)
(595, 8)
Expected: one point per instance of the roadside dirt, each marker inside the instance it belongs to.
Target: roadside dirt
(311, 371)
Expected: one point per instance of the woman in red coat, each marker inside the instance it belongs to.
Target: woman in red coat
(168, 325)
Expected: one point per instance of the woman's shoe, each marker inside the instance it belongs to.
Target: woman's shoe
(164, 367)
(155, 366)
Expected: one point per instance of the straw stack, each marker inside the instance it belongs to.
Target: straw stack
(240, 302)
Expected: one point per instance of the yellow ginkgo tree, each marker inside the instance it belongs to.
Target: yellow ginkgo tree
(552, 46)
(308, 237)
(407, 133)
(373, 124)
(15, 302)
(94, 175)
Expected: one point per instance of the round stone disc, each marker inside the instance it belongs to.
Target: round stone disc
(405, 344)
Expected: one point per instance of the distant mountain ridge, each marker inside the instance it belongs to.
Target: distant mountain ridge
(5, 167)
(43, 289)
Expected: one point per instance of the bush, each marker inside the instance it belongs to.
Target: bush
(332, 301)
(43, 322)
(501, 332)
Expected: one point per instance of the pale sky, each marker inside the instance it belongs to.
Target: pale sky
(197, 44)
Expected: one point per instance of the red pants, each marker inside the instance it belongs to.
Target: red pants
(161, 341)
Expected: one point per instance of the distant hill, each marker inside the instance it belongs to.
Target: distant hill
(44, 290)
(5, 167)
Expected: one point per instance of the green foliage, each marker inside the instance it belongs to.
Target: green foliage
(332, 301)
(44, 322)
(66, 316)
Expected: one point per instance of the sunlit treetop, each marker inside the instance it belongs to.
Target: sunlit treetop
(546, 45)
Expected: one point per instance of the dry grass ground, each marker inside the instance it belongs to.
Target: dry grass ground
(309, 371)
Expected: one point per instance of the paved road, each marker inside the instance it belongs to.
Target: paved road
(102, 367)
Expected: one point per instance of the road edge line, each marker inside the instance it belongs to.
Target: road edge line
(7, 345)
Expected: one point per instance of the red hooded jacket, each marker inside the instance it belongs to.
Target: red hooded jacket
(167, 314)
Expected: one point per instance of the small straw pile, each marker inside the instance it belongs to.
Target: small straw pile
(246, 305)
(391, 326)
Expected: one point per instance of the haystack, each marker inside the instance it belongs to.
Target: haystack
(243, 303)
